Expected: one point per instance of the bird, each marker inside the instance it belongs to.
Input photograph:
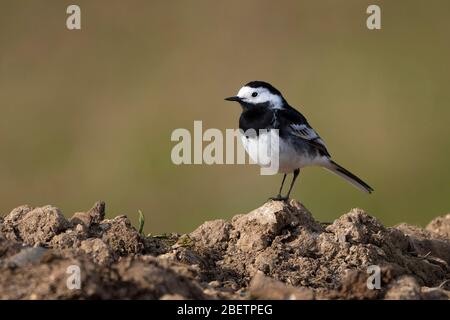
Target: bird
(299, 145)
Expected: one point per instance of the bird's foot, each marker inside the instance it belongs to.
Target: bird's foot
(279, 197)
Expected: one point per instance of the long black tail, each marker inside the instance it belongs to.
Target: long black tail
(347, 175)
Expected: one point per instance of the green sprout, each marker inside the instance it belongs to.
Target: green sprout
(141, 222)
(185, 241)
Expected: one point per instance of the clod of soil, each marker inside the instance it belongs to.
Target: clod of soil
(278, 251)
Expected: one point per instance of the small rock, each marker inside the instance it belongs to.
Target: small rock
(434, 293)
(121, 237)
(267, 221)
(94, 216)
(16, 215)
(427, 244)
(40, 225)
(68, 239)
(404, 288)
(357, 227)
(441, 226)
(354, 286)
(265, 288)
(26, 256)
(8, 247)
(151, 278)
(212, 234)
(98, 250)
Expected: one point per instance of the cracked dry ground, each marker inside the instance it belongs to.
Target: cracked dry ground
(277, 251)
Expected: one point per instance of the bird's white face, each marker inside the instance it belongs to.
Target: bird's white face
(260, 95)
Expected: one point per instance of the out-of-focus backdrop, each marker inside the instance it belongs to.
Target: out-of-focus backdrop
(88, 115)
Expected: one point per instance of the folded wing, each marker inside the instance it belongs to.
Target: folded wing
(299, 127)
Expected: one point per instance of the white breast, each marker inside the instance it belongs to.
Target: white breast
(263, 153)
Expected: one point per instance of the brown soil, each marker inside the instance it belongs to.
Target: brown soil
(277, 251)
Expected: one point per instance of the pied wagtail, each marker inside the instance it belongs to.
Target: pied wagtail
(264, 107)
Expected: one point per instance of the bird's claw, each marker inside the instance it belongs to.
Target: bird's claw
(279, 198)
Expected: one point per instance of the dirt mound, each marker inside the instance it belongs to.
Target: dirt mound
(277, 251)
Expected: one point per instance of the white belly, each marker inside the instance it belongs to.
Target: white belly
(262, 152)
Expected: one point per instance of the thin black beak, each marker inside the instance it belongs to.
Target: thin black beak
(235, 98)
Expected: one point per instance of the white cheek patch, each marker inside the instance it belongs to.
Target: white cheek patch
(267, 96)
(263, 96)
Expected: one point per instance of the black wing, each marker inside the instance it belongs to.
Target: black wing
(298, 126)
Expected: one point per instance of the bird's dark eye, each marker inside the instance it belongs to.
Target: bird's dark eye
(254, 94)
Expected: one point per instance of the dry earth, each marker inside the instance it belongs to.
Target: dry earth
(277, 251)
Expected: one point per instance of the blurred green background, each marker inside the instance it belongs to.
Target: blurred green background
(87, 115)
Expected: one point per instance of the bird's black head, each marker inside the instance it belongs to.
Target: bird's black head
(259, 93)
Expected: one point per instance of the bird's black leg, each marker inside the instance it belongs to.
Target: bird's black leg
(282, 184)
(296, 172)
(279, 196)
